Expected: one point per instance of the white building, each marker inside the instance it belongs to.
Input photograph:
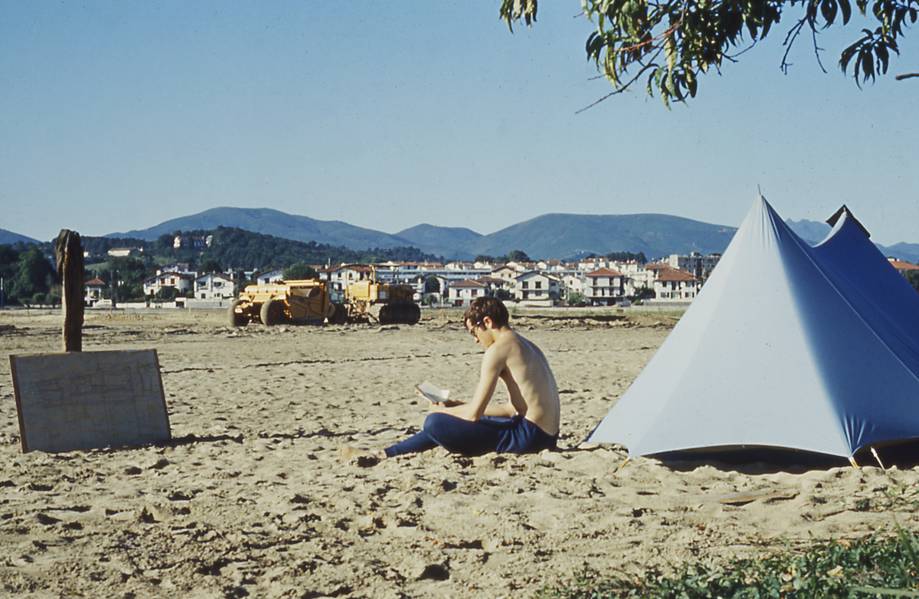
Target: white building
(674, 285)
(93, 289)
(339, 278)
(506, 273)
(196, 242)
(182, 283)
(179, 267)
(461, 293)
(214, 286)
(695, 264)
(573, 282)
(537, 287)
(604, 287)
(124, 252)
(272, 276)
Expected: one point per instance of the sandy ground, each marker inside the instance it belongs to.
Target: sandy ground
(251, 498)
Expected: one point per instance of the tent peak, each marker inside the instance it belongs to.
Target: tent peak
(845, 212)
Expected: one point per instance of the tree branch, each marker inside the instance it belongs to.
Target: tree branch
(906, 76)
(817, 48)
(624, 86)
(793, 34)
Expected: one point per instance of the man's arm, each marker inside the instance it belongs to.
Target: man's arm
(492, 364)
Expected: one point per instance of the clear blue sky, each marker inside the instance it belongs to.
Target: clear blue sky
(120, 115)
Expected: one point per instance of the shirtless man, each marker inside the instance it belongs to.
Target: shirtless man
(528, 423)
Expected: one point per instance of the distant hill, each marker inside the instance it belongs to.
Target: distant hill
(810, 231)
(10, 238)
(273, 222)
(453, 242)
(567, 235)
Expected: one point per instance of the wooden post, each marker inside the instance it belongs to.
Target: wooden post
(68, 253)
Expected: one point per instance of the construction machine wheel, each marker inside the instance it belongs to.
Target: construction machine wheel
(400, 314)
(236, 319)
(339, 314)
(414, 314)
(272, 313)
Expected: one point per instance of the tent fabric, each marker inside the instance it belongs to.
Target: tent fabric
(788, 346)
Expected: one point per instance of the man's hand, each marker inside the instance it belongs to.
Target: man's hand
(439, 407)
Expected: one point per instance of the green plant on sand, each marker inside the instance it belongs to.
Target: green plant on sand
(875, 566)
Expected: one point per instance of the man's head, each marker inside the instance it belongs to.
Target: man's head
(485, 316)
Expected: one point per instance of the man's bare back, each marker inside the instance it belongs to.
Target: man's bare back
(528, 378)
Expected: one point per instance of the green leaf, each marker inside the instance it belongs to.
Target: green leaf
(867, 65)
(670, 52)
(691, 83)
(752, 27)
(846, 11)
(828, 10)
(883, 56)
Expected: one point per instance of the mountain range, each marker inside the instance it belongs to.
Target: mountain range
(10, 238)
(548, 236)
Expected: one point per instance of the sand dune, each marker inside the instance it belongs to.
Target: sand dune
(252, 499)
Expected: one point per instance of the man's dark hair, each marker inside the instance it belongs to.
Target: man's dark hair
(486, 306)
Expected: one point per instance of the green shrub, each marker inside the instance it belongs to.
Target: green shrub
(875, 566)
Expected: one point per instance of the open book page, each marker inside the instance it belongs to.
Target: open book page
(433, 392)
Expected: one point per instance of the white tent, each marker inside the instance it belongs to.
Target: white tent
(787, 346)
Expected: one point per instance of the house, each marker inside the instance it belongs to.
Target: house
(537, 287)
(179, 267)
(592, 263)
(429, 288)
(214, 286)
(675, 285)
(695, 263)
(637, 276)
(507, 273)
(93, 289)
(196, 242)
(181, 282)
(272, 276)
(572, 282)
(459, 265)
(604, 287)
(339, 278)
(550, 265)
(461, 293)
(124, 252)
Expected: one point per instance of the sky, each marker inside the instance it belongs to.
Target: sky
(121, 115)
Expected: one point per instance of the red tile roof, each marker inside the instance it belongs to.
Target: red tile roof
(467, 284)
(97, 282)
(604, 272)
(675, 274)
(902, 265)
(492, 280)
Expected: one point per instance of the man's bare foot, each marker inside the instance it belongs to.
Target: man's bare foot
(363, 457)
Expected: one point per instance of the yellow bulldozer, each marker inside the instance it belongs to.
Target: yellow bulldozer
(308, 301)
(382, 302)
(303, 301)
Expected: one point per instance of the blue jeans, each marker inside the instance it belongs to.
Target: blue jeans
(487, 434)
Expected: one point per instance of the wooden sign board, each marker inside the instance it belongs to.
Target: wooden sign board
(86, 400)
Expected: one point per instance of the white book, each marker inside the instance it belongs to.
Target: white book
(434, 393)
